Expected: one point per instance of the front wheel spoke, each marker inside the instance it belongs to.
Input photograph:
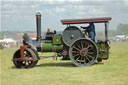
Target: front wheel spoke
(26, 55)
(30, 62)
(26, 62)
(25, 52)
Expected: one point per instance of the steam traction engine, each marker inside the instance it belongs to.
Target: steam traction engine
(71, 44)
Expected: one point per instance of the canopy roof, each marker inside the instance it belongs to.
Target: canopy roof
(87, 20)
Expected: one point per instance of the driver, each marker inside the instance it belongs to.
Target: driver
(91, 31)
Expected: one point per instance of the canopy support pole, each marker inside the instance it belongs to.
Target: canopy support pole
(106, 30)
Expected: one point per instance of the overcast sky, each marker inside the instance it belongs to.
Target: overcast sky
(19, 15)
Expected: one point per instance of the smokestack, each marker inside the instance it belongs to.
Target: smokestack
(38, 24)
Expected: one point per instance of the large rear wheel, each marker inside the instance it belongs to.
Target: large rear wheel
(83, 52)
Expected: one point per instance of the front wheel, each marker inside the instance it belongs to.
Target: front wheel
(28, 53)
(83, 52)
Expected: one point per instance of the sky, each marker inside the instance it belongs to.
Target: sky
(19, 15)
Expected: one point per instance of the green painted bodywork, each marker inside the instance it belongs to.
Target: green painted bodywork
(57, 40)
(103, 50)
(49, 47)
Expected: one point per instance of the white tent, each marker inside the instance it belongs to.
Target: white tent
(8, 40)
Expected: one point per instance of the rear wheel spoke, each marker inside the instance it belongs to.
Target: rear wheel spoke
(75, 55)
(91, 49)
(81, 44)
(76, 48)
(84, 60)
(90, 56)
(75, 52)
(87, 58)
(78, 45)
(81, 59)
(90, 52)
(78, 58)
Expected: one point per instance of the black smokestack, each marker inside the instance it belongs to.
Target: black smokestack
(38, 24)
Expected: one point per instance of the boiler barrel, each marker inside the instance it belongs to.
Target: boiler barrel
(49, 47)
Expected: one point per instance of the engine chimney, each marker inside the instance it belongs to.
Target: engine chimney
(38, 24)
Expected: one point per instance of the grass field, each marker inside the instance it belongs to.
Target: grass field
(114, 71)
